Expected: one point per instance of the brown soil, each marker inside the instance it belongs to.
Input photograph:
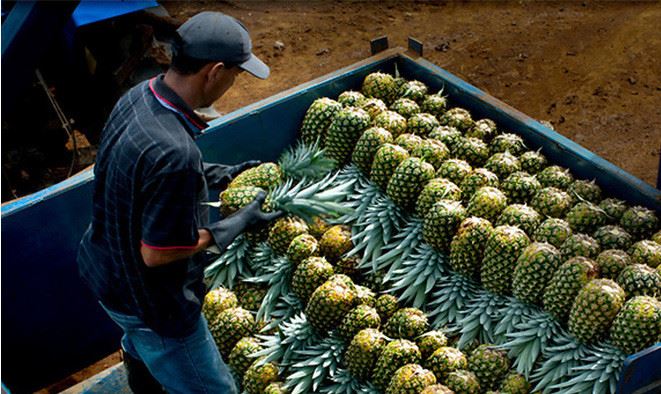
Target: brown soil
(590, 68)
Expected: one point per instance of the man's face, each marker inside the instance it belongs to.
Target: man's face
(219, 80)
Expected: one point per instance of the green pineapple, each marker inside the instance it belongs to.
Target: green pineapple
(276, 388)
(454, 170)
(386, 160)
(585, 217)
(359, 318)
(459, 118)
(330, 303)
(240, 358)
(463, 382)
(410, 379)
(437, 389)
(405, 107)
(344, 132)
(283, 232)
(381, 86)
(614, 208)
(373, 107)
(613, 237)
(302, 247)
(429, 342)
(414, 90)
(467, 247)
(348, 265)
(335, 242)
(441, 222)
(435, 190)
(367, 145)
(646, 252)
(365, 296)
(351, 98)
(487, 202)
(521, 216)
(657, 237)
(489, 364)
(585, 190)
(421, 124)
(503, 164)
(216, 301)
(309, 275)
(395, 355)
(391, 121)
(554, 231)
(579, 245)
(640, 222)
(363, 351)
(386, 306)
(250, 295)
(515, 383)
(233, 199)
(406, 323)
(639, 280)
(551, 201)
(520, 187)
(567, 281)
(408, 181)
(478, 178)
(445, 360)
(448, 135)
(507, 142)
(638, 324)
(318, 226)
(532, 162)
(484, 129)
(265, 176)
(229, 327)
(432, 151)
(555, 176)
(594, 309)
(473, 150)
(500, 255)
(434, 104)
(410, 142)
(611, 262)
(317, 119)
(534, 269)
(259, 376)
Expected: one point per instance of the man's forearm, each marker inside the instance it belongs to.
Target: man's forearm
(155, 258)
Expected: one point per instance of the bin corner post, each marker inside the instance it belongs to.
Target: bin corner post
(416, 46)
(378, 44)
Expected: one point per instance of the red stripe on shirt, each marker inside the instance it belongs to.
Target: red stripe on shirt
(151, 87)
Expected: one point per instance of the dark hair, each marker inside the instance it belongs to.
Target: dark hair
(187, 65)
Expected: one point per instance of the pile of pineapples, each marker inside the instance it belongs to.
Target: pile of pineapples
(532, 275)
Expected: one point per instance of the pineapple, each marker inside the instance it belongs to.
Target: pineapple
(283, 232)
(515, 383)
(520, 187)
(317, 119)
(410, 378)
(410, 142)
(365, 296)
(473, 150)
(351, 98)
(309, 275)
(381, 86)
(579, 245)
(646, 252)
(414, 90)
(448, 135)
(522, 216)
(276, 388)
(405, 107)
(344, 132)
(408, 181)
(467, 247)
(229, 327)
(551, 201)
(532, 162)
(363, 351)
(503, 164)
(553, 231)
(373, 107)
(302, 247)
(250, 295)
(585, 217)
(594, 309)
(657, 237)
(386, 306)
(565, 284)
(233, 199)
(489, 364)
(218, 300)
(330, 302)
(459, 118)
(484, 129)
(441, 222)
(265, 176)
(240, 358)
(367, 145)
(613, 237)
(429, 342)
(445, 360)
(259, 376)
(487, 202)
(534, 269)
(386, 160)
(611, 262)
(318, 226)
(638, 324)
(348, 266)
(507, 142)
(614, 208)
(478, 178)
(585, 191)
(406, 323)
(500, 256)
(454, 170)
(359, 318)
(335, 243)
(395, 355)
(432, 151)
(640, 222)
(435, 190)
(463, 382)
(434, 104)
(421, 124)
(437, 389)
(639, 280)
(391, 121)
(555, 176)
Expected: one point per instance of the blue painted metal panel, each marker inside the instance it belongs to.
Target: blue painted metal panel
(91, 11)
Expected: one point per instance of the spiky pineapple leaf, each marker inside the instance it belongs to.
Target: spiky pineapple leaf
(305, 161)
(277, 276)
(230, 265)
(316, 364)
(344, 383)
(449, 300)
(598, 372)
(479, 322)
(558, 360)
(292, 335)
(401, 247)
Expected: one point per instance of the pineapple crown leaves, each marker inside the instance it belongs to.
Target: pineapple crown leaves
(317, 363)
(514, 313)
(449, 300)
(293, 334)
(277, 276)
(480, 320)
(400, 248)
(231, 264)
(557, 361)
(286, 307)
(260, 257)
(343, 382)
(305, 161)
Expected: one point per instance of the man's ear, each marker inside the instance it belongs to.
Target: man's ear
(216, 71)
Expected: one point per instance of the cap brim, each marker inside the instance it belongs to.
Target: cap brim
(256, 67)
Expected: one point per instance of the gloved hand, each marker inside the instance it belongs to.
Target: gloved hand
(219, 175)
(225, 231)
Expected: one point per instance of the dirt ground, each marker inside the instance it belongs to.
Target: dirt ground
(591, 68)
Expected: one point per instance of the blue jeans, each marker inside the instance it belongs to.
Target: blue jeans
(190, 364)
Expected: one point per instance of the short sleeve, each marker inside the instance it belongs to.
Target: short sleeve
(169, 219)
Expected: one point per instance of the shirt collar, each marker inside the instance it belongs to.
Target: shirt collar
(171, 100)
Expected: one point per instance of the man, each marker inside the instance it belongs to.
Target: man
(143, 254)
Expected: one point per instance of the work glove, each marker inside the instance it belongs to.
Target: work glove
(218, 176)
(225, 231)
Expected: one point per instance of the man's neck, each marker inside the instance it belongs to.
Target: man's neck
(185, 86)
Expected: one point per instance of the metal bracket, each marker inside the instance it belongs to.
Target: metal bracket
(415, 46)
(378, 44)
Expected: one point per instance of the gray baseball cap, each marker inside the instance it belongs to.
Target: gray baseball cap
(215, 36)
